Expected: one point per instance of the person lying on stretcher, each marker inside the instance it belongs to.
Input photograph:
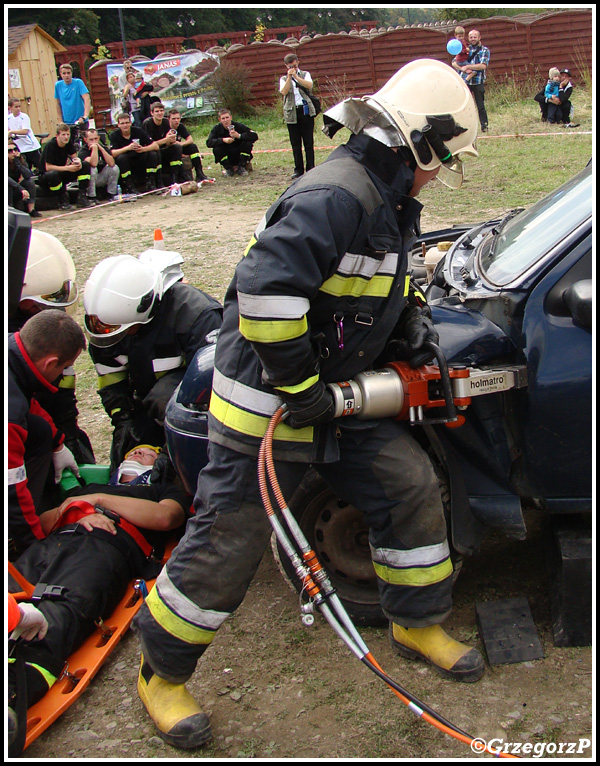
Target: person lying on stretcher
(99, 539)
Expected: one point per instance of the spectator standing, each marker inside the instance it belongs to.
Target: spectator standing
(158, 129)
(298, 113)
(48, 343)
(479, 60)
(133, 151)
(131, 101)
(60, 164)
(104, 171)
(72, 97)
(21, 186)
(19, 129)
(231, 143)
(188, 147)
(143, 90)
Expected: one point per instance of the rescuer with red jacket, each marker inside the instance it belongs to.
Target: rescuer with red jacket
(38, 354)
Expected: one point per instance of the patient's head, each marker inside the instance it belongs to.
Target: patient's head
(136, 464)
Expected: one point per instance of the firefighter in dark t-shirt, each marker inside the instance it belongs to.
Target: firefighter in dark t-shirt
(159, 130)
(135, 152)
(60, 165)
(188, 147)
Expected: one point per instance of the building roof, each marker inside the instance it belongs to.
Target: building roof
(16, 35)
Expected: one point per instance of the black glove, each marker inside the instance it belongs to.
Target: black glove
(163, 471)
(310, 407)
(156, 400)
(414, 329)
(124, 439)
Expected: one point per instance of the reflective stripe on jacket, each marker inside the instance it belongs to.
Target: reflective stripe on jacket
(317, 295)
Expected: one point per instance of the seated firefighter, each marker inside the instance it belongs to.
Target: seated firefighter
(144, 327)
(188, 147)
(135, 153)
(49, 283)
(231, 143)
(98, 540)
(60, 165)
(157, 127)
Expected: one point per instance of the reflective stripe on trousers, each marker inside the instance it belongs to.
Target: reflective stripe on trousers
(382, 471)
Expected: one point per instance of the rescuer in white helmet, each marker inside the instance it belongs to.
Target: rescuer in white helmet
(144, 326)
(321, 290)
(50, 283)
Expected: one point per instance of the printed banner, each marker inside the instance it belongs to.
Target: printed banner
(181, 82)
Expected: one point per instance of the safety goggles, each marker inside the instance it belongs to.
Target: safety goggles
(66, 295)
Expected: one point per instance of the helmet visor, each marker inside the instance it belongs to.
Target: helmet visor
(64, 296)
(103, 335)
(451, 174)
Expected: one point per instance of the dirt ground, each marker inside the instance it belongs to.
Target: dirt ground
(274, 688)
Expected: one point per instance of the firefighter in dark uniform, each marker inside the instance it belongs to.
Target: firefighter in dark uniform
(322, 288)
(232, 144)
(144, 326)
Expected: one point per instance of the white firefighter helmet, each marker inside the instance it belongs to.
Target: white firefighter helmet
(121, 292)
(427, 107)
(49, 278)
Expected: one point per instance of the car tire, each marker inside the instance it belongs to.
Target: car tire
(339, 536)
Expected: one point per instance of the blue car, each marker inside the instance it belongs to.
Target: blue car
(512, 296)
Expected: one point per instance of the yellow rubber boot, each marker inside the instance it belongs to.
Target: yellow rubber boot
(450, 658)
(175, 713)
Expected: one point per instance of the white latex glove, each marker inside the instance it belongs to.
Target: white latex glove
(63, 458)
(32, 624)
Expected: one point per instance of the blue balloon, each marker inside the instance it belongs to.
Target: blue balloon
(454, 47)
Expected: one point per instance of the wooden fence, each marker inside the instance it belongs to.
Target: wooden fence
(359, 63)
(344, 65)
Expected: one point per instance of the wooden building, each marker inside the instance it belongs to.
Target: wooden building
(32, 74)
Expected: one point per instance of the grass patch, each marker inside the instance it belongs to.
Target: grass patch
(515, 166)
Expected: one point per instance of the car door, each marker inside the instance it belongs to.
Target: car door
(557, 417)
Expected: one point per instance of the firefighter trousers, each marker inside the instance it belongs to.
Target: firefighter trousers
(382, 471)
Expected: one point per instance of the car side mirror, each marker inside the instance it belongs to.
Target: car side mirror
(578, 299)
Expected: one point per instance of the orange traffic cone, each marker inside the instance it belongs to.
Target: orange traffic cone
(159, 243)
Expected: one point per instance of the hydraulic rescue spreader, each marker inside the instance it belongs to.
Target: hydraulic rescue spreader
(395, 391)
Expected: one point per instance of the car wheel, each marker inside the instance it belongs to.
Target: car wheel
(339, 536)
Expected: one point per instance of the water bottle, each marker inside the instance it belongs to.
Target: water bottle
(119, 193)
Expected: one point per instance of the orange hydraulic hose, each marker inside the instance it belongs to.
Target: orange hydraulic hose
(266, 476)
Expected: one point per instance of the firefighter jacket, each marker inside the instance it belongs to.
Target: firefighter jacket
(24, 382)
(183, 323)
(320, 289)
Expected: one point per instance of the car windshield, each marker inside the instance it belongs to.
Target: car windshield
(519, 241)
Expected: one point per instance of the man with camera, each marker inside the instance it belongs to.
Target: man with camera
(298, 113)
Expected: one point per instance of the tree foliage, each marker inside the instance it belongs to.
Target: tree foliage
(153, 21)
